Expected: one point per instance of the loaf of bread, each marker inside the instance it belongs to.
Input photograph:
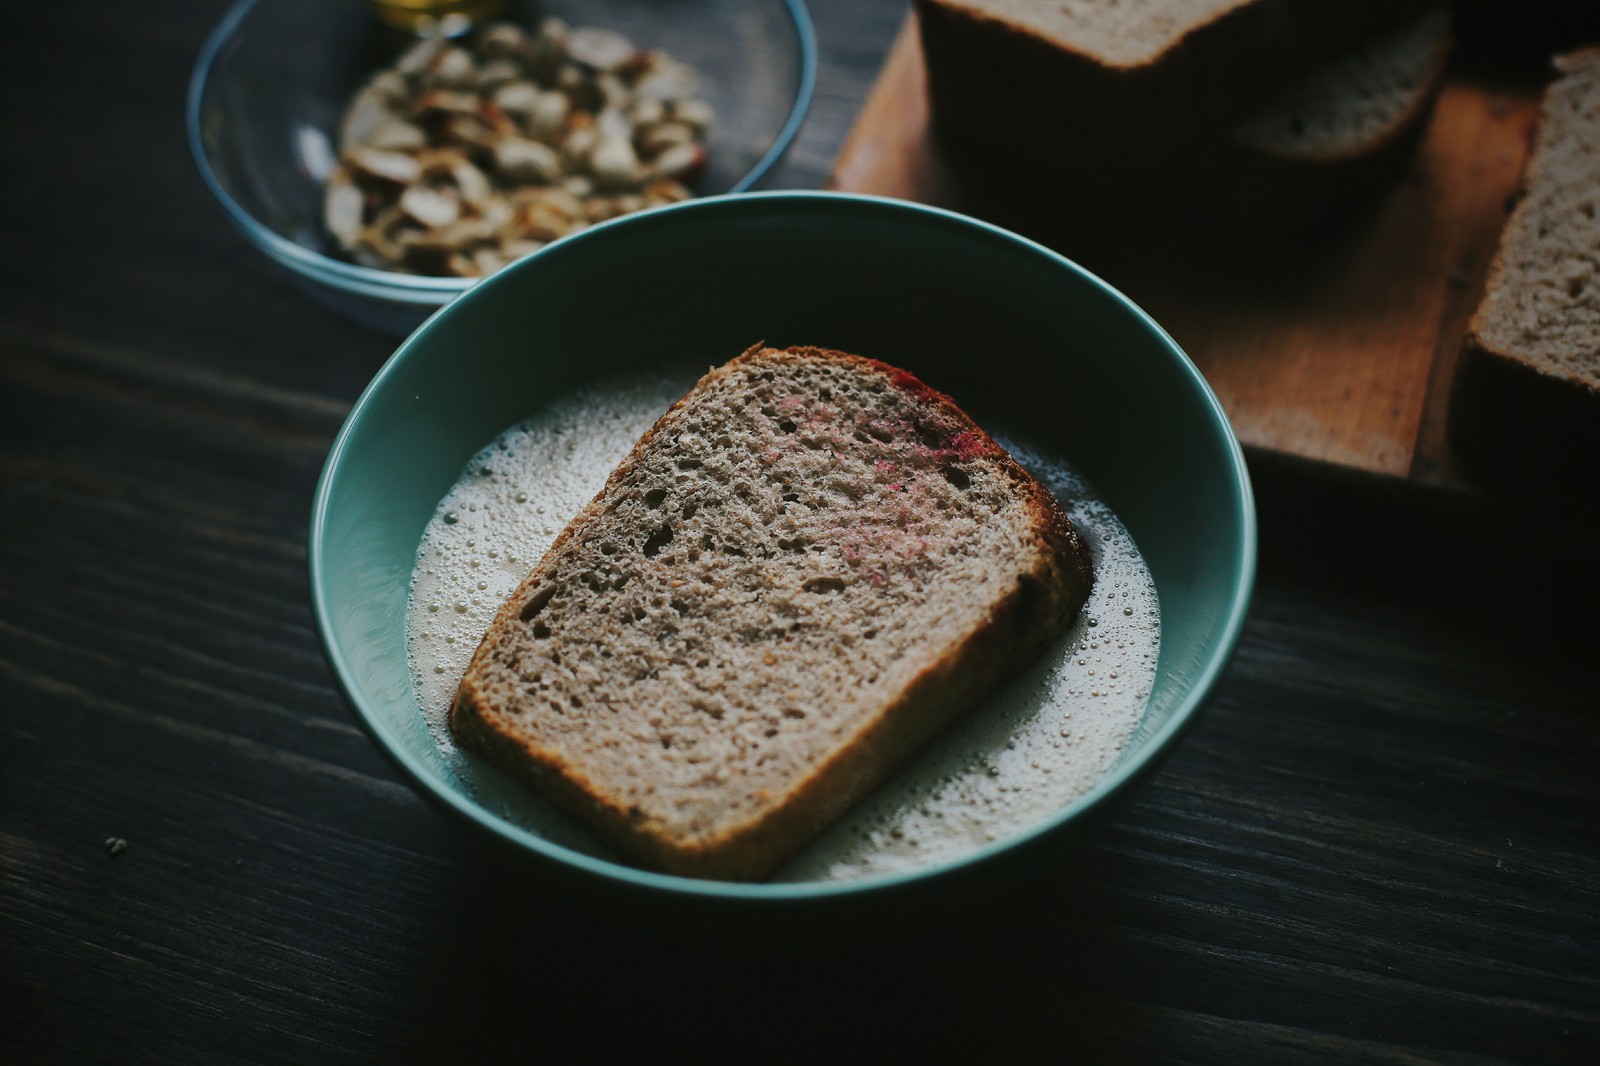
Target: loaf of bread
(1527, 387)
(1118, 85)
(805, 569)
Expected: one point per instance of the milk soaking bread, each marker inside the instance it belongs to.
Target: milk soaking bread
(806, 568)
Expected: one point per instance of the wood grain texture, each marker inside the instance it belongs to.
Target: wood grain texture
(1336, 347)
(1377, 845)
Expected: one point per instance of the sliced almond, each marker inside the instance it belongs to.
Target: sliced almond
(431, 206)
(613, 122)
(447, 102)
(469, 130)
(548, 51)
(420, 56)
(614, 163)
(653, 140)
(368, 113)
(696, 114)
(452, 68)
(540, 221)
(487, 260)
(462, 266)
(471, 183)
(517, 159)
(599, 48)
(573, 80)
(497, 119)
(497, 72)
(553, 197)
(666, 192)
(390, 166)
(342, 209)
(518, 97)
(397, 135)
(666, 79)
(388, 85)
(382, 233)
(437, 163)
(680, 161)
(578, 146)
(496, 212)
(578, 185)
(599, 208)
(455, 237)
(613, 92)
(517, 247)
(646, 112)
(503, 39)
(547, 119)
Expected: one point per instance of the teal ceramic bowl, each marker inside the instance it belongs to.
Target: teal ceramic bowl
(1009, 328)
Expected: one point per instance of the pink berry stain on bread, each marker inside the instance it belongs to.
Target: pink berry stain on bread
(804, 570)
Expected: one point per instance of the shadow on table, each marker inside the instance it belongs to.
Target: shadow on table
(523, 971)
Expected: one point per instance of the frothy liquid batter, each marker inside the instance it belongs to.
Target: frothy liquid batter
(1045, 738)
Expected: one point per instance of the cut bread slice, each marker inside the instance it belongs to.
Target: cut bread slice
(1342, 134)
(804, 570)
(1527, 387)
(1115, 86)
(1353, 107)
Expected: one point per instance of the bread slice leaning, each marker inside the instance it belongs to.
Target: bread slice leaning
(1527, 387)
(806, 568)
(1356, 107)
(1118, 86)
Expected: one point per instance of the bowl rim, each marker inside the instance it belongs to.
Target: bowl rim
(1122, 777)
(418, 289)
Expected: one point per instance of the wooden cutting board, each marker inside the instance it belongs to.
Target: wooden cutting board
(1337, 350)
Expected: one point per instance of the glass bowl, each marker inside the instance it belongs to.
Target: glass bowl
(1011, 329)
(271, 84)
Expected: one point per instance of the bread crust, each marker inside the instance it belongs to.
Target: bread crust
(1012, 631)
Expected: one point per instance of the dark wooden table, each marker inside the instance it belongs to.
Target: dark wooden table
(1378, 844)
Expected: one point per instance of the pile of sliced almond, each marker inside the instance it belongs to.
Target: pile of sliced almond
(466, 155)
